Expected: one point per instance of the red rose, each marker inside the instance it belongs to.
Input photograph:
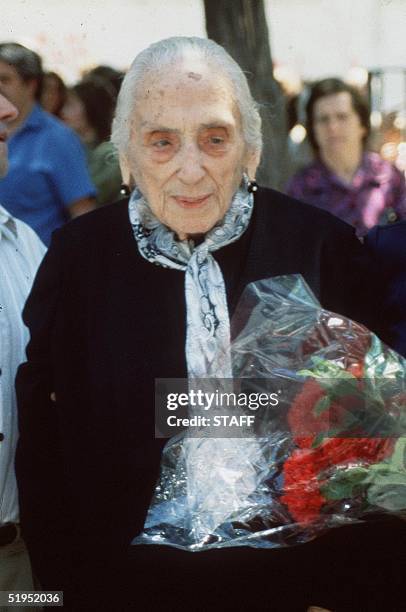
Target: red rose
(301, 486)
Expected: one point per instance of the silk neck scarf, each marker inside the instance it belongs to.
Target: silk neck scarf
(204, 459)
(208, 324)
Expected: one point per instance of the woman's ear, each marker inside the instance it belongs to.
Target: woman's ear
(252, 163)
(127, 177)
(125, 169)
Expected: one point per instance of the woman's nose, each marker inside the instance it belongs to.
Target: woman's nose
(191, 168)
(334, 125)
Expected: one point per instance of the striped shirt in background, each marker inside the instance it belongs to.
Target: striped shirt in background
(21, 252)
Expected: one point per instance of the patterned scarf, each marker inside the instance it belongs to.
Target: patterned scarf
(207, 459)
(208, 324)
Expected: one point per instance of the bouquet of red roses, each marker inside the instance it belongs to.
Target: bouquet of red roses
(330, 450)
(324, 470)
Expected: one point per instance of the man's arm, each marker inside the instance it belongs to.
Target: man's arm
(70, 175)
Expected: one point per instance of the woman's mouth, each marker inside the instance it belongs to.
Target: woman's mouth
(187, 202)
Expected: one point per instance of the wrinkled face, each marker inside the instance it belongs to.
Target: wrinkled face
(187, 153)
(8, 113)
(73, 113)
(18, 92)
(337, 126)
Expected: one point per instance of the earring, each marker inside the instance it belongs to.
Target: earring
(252, 186)
(125, 190)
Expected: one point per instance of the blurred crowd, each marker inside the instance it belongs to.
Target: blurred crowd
(61, 163)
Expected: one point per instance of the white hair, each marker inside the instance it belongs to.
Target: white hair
(169, 51)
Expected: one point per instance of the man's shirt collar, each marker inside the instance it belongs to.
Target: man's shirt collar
(7, 225)
(33, 121)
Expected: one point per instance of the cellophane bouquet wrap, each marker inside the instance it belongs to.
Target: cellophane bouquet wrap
(331, 452)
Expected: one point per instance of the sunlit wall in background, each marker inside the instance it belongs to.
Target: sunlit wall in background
(318, 38)
(311, 37)
(77, 34)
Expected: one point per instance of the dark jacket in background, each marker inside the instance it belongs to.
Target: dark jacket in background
(387, 245)
(104, 324)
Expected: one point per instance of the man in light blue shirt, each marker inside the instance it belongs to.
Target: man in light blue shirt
(20, 254)
(48, 180)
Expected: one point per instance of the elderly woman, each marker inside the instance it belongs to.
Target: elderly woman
(144, 289)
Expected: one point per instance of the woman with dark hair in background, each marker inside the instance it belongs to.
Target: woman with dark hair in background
(53, 94)
(109, 74)
(88, 110)
(354, 184)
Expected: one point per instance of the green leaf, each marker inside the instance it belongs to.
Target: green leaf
(323, 368)
(387, 480)
(318, 439)
(322, 405)
(398, 458)
(330, 433)
(340, 387)
(391, 497)
(343, 484)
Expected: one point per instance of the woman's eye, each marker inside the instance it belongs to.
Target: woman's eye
(216, 140)
(161, 144)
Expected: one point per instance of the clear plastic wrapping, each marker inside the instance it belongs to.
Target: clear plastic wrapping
(332, 450)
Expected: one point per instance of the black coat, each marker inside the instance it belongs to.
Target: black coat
(104, 324)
